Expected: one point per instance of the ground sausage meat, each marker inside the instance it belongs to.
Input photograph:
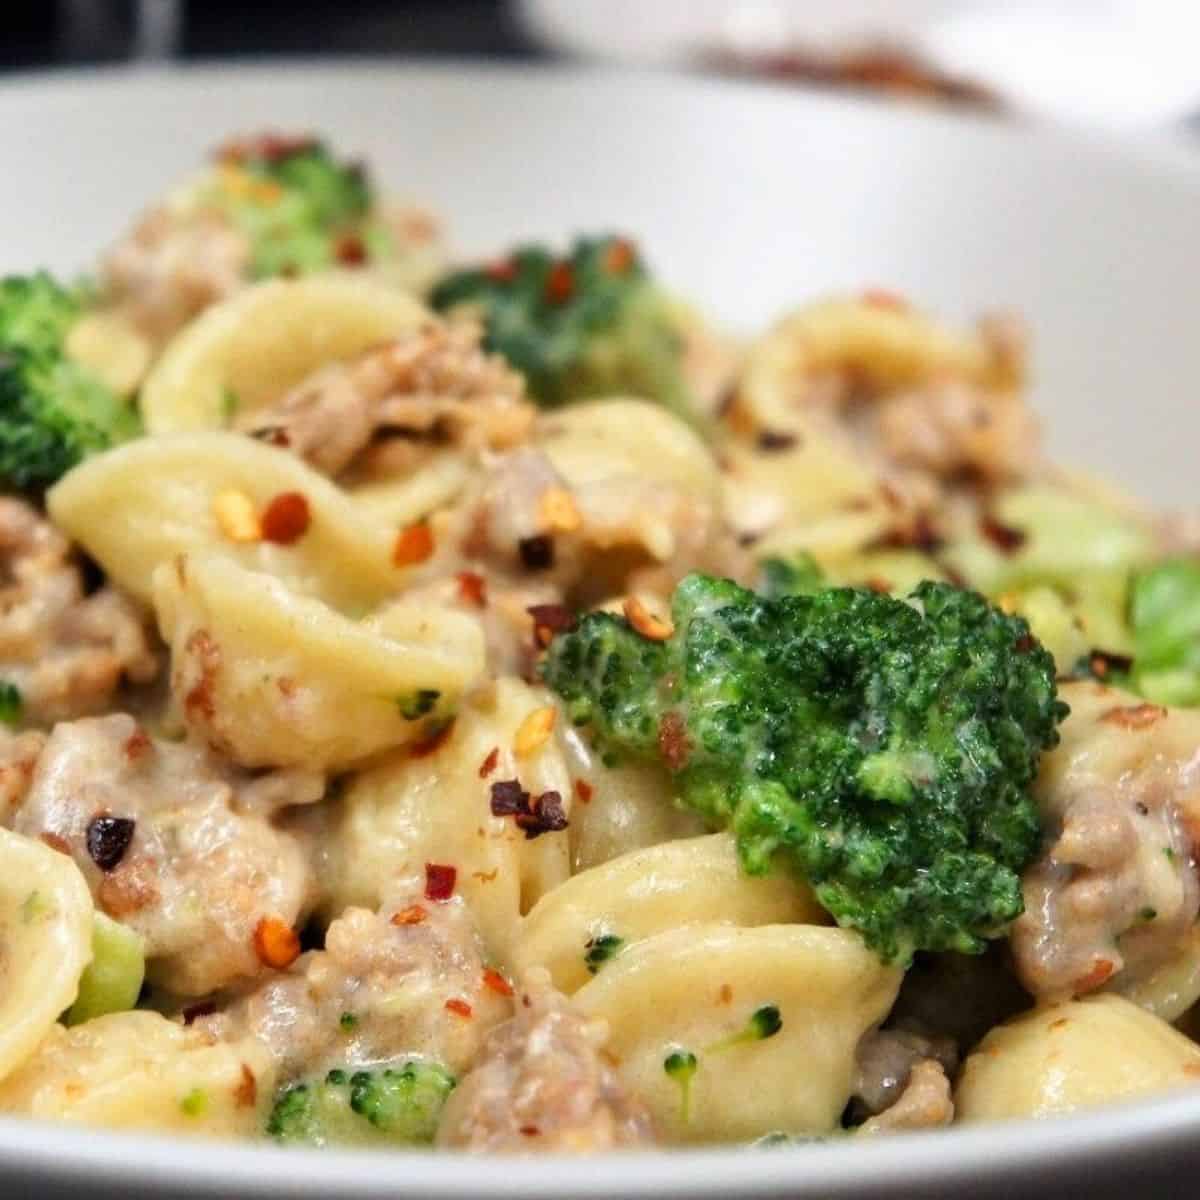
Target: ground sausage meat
(171, 266)
(925, 1102)
(175, 844)
(543, 1085)
(1115, 889)
(409, 980)
(65, 652)
(886, 1060)
(436, 384)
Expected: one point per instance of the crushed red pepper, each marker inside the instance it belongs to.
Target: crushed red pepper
(560, 283)
(459, 1007)
(493, 980)
(286, 518)
(1006, 538)
(472, 588)
(414, 544)
(489, 763)
(549, 620)
(584, 791)
(439, 881)
(414, 914)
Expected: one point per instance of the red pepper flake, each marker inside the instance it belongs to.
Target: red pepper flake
(276, 943)
(534, 815)
(560, 283)
(537, 552)
(193, 1012)
(503, 270)
(414, 914)
(246, 1092)
(414, 544)
(459, 1007)
(1133, 716)
(351, 250)
(1025, 643)
(108, 838)
(439, 881)
(496, 982)
(877, 583)
(530, 1131)
(1006, 538)
(884, 298)
(137, 744)
(435, 737)
(1098, 974)
(584, 791)
(489, 763)
(771, 441)
(286, 519)
(472, 589)
(619, 256)
(549, 620)
(673, 742)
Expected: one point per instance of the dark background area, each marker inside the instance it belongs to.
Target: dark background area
(49, 33)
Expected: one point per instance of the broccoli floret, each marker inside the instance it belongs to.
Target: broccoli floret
(885, 748)
(300, 208)
(591, 323)
(53, 411)
(395, 1105)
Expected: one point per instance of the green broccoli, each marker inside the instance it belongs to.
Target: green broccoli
(591, 323)
(53, 411)
(885, 748)
(300, 208)
(396, 1105)
(1164, 611)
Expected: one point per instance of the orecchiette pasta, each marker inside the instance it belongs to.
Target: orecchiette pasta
(436, 725)
(143, 504)
(650, 891)
(252, 348)
(277, 679)
(45, 942)
(436, 807)
(694, 990)
(138, 1070)
(1070, 1056)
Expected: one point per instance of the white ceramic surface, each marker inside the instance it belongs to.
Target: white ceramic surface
(750, 198)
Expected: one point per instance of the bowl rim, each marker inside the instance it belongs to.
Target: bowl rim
(1006, 1153)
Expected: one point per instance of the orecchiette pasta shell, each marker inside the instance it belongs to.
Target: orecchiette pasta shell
(138, 1070)
(151, 500)
(249, 350)
(892, 346)
(45, 942)
(690, 989)
(409, 499)
(277, 679)
(1071, 1056)
(686, 882)
(1173, 988)
(606, 439)
(435, 808)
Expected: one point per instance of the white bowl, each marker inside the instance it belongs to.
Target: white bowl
(749, 198)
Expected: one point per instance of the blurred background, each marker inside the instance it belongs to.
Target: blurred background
(1125, 65)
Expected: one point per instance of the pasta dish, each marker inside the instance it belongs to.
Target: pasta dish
(485, 705)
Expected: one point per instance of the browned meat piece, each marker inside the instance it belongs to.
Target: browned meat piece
(437, 382)
(407, 981)
(176, 845)
(18, 756)
(925, 1103)
(170, 267)
(1115, 889)
(543, 1086)
(951, 428)
(887, 1059)
(64, 651)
